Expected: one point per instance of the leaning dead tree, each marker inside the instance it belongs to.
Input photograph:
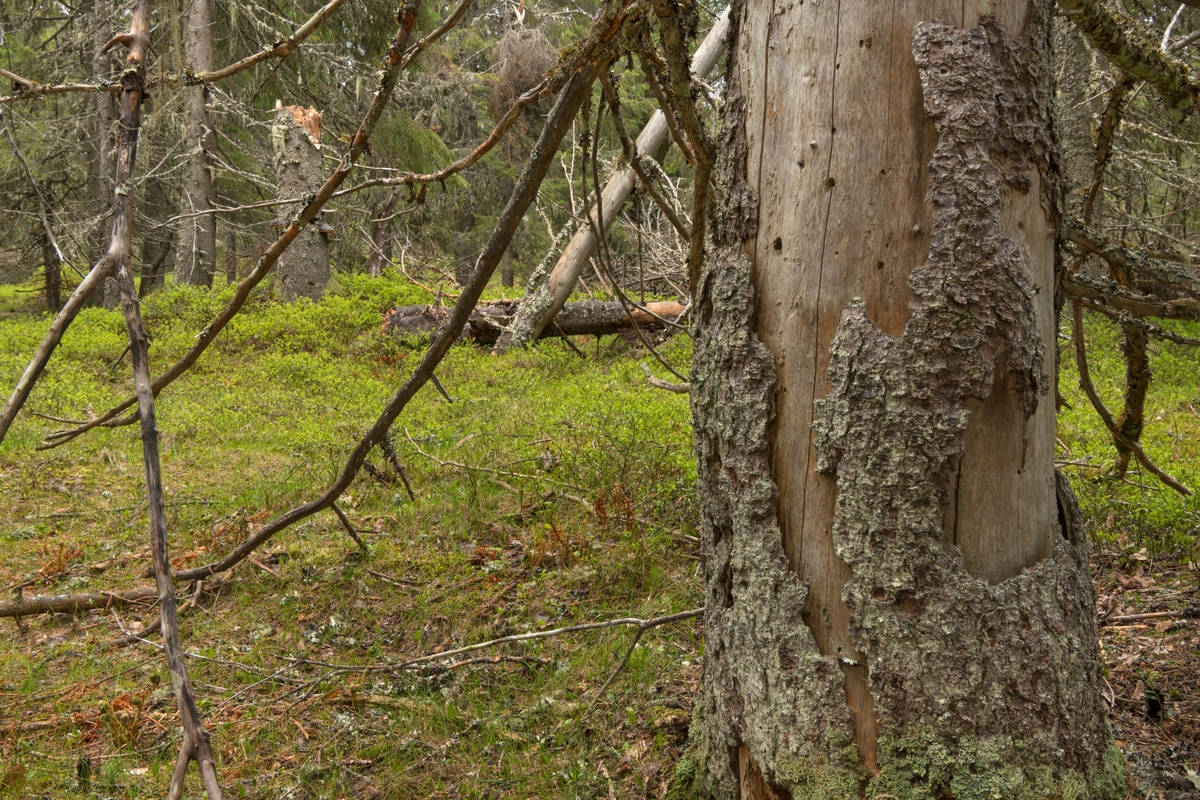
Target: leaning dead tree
(546, 294)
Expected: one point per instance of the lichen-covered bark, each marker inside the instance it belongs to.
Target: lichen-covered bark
(980, 690)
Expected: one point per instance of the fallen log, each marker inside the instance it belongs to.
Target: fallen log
(74, 603)
(489, 320)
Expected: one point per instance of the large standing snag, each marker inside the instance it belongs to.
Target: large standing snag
(898, 601)
(303, 267)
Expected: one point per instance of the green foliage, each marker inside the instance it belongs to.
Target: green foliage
(563, 497)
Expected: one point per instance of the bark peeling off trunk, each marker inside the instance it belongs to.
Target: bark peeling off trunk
(981, 688)
(766, 687)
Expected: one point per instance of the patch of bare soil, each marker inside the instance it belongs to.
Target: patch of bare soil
(1149, 611)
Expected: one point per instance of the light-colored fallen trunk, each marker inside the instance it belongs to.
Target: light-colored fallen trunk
(544, 299)
(487, 322)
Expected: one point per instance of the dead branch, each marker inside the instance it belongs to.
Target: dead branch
(624, 622)
(1085, 380)
(133, 637)
(1116, 36)
(195, 741)
(1175, 276)
(1183, 613)
(658, 383)
(598, 229)
(634, 158)
(1125, 318)
(675, 46)
(341, 515)
(280, 49)
(1110, 293)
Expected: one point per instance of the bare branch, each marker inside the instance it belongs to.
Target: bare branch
(1085, 380)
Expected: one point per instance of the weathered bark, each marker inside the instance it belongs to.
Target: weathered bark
(488, 322)
(897, 587)
(546, 296)
(303, 267)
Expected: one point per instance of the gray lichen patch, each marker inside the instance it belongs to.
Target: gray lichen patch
(765, 686)
(980, 690)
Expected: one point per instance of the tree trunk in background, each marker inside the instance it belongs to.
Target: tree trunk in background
(100, 166)
(381, 241)
(158, 244)
(231, 261)
(196, 261)
(897, 589)
(304, 267)
(52, 266)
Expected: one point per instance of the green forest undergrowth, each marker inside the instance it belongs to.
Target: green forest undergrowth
(554, 490)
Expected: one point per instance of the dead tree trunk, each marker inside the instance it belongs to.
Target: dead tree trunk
(544, 298)
(195, 742)
(196, 261)
(303, 267)
(899, 602)
(488, 321)
(52, 265)
(158, 244)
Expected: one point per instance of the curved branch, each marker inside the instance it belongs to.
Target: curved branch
(1085, 380)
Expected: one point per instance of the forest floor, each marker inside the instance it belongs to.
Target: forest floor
(553, 491)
